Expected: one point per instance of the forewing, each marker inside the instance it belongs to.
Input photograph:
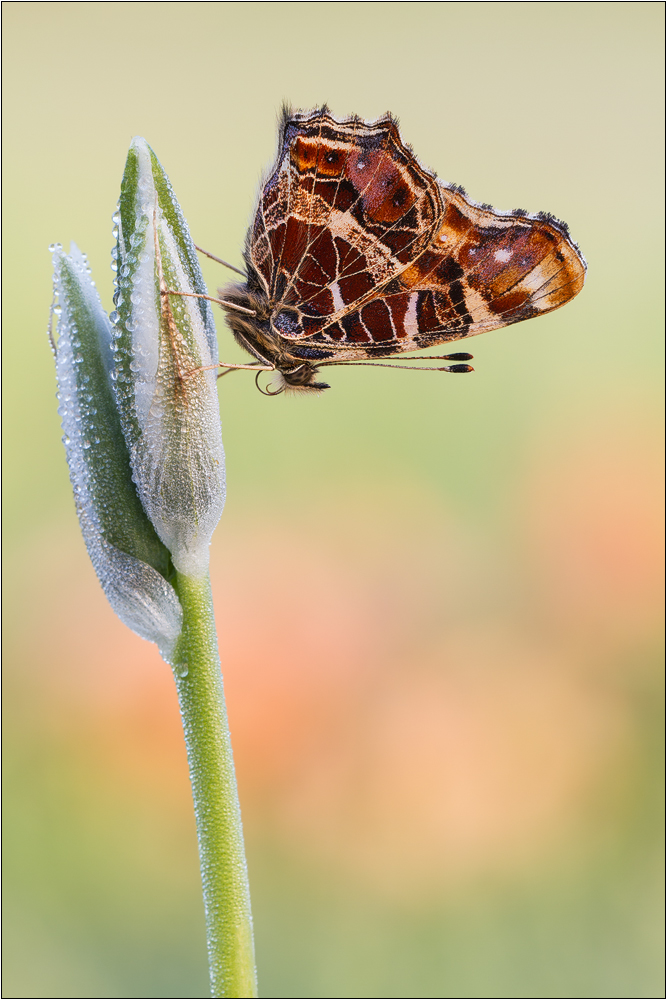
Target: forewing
(346, 209)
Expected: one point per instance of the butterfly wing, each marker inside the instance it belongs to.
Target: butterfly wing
(363, 252)
(345, 210)
(482, 270)
(486, 269)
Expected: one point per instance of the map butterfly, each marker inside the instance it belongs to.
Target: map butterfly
(357, 252)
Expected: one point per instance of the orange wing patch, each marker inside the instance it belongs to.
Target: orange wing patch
(513, 266)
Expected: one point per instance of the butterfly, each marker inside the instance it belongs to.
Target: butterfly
(357, 252)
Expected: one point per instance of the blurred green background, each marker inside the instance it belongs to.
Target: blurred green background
(439, 599)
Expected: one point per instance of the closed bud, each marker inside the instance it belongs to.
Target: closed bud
(164, 352)
(131, 562)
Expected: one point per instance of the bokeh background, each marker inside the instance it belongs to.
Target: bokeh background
(439, 599)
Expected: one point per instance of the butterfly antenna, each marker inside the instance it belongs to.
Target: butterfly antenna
(428, 357)
(413, 368)
(424, 357)
(221, 261)
(461, 356)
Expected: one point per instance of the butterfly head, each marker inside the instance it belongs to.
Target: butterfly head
(257, 334)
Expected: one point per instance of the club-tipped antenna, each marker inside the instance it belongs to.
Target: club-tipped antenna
(413, 368)
(460, 356)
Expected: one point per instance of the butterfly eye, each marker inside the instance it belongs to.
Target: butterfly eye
(287, 324)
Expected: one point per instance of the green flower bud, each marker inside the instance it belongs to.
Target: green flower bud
(131, 562)
(164, 349)
(139, 406)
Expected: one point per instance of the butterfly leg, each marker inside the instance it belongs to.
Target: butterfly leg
(219, 260)
(220, 302)
(230, 368)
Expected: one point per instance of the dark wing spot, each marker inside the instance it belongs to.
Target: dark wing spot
(458, 300)
(426, 317)
(400, 196)
(377, 320)
(354, 330)
(448, 271)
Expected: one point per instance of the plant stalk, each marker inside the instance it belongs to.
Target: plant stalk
(219, 831)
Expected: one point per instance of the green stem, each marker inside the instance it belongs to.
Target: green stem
(219, 831)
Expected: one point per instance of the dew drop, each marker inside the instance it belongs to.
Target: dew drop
(182, 669)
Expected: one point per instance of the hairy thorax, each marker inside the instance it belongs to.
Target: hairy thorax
(257, 334)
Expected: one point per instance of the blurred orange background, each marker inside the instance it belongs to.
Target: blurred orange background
(439, 600)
